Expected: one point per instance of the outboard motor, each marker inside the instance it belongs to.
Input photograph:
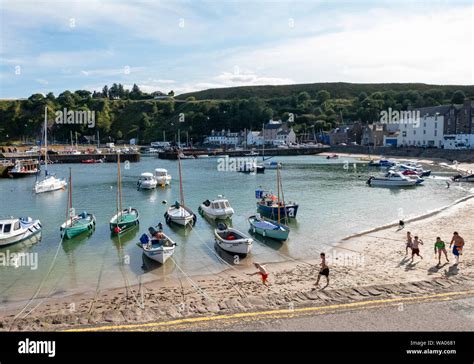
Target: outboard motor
(152, 231)
(221, 226)
(144, 239)
(370, 180)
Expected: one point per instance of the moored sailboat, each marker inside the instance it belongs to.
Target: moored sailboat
(76, 224)
(178, 212)
(269, 228)
(124, 219)
(50, 182)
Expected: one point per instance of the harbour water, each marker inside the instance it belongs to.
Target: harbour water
(333, 197)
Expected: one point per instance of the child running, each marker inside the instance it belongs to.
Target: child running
(440, 247)
(415, 249)
(323, 271)
(262, 271)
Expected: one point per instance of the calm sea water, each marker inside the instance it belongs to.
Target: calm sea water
(334, 202)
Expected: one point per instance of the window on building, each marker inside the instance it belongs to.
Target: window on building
(436, 133)
(424, 131)
(414, 132)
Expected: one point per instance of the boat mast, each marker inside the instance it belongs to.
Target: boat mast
(263, 137)
(70, 194)
(46, 141)
(278, 189)
(282, 194)
(181, 194)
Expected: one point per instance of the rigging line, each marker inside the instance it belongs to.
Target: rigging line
(194, 284)
(45, 297)
(230, 265)
(127, 285)
(40, 286)
(99, 279)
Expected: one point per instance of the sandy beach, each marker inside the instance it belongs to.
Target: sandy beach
(364, 266)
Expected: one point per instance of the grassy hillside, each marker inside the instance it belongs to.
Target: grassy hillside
(340, 90)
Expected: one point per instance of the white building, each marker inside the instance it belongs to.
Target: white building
(424, 130)
(224, 138)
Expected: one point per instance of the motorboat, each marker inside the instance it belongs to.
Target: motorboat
(24, 168)
(332, 156)
(157, 245)
(381, 163)
(272, 165)
(392, 179)
(147, 181)
(14, 230)
(268, 228)
(216, 209)
(413, 175)
(232, 240)
(463, 178)
(162, 177)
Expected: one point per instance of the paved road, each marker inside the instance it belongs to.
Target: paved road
(437, 312)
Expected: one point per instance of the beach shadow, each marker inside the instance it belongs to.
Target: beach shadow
(436, 268)
(452, 271)
(411, 266)
(404, 261)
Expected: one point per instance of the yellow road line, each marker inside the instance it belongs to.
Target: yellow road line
(270, 313)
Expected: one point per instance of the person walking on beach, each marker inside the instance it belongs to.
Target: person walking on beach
(262, 271)
(440, 247)
(415, 248)
(409, 244)
(323, 271)
(458, 243)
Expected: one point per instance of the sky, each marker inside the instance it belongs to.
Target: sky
(57, 45)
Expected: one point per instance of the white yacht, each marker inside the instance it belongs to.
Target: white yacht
(162, 177)
(217, 209)
(146, 181)
(391, 179)
(14, 230)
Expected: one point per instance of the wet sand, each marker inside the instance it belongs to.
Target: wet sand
(368, 265)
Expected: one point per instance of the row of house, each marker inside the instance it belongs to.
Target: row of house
(444, 126)
(273, 133)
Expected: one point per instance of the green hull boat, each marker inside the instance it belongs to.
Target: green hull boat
(77, 225)
(124, 220)
(268, 228)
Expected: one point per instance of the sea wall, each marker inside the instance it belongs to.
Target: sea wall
(465, 156)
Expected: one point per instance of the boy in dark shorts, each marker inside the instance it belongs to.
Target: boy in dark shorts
(323, 271)
(415, 248)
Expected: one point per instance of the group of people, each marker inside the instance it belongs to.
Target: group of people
(457, 244)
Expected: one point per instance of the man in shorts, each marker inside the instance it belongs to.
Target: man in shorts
(458, 243)
(323, 270)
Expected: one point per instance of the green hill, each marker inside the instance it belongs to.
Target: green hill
(336, 89)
